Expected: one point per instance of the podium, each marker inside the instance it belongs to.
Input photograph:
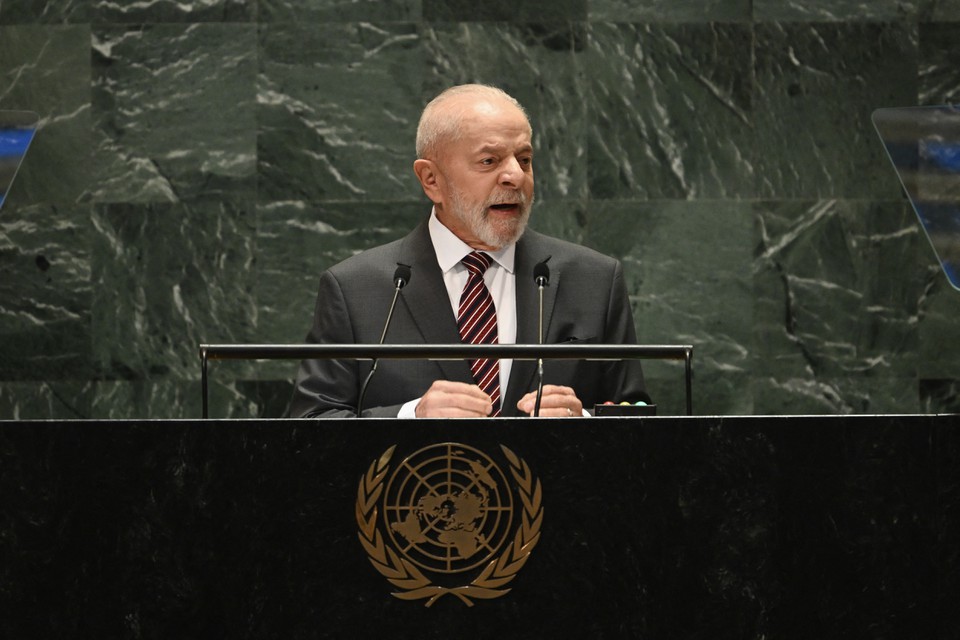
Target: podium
(689, 527)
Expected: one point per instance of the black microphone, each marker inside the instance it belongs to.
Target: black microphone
(541, 277)
(541, 273)
(400, 279)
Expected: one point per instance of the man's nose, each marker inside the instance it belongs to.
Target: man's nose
(511, 174)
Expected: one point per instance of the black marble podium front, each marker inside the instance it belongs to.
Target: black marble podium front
(752, 527)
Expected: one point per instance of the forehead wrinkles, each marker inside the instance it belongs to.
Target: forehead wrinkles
(499, 133)
(485, 117)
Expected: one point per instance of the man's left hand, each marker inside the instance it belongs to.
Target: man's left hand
(556, 402)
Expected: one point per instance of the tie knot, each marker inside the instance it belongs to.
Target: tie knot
(477, 263)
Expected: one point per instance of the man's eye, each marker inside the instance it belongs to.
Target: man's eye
(487, 161)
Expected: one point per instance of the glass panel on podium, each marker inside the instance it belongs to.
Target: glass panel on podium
(923, 144)
(16, 132)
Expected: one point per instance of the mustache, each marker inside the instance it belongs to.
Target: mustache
(507, 197)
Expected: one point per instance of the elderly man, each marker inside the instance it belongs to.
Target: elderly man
(472, 265)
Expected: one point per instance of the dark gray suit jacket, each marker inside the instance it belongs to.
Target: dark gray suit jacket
(586, 300)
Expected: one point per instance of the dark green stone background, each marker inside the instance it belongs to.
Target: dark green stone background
(199, 164)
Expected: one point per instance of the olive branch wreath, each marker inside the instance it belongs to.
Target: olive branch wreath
(403, 574)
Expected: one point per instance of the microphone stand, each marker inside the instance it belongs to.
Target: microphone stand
(536, 406)
(400, 278)
(541, 275)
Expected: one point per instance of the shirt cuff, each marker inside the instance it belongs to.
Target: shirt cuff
(409, 409)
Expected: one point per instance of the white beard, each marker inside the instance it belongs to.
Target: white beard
(498, 233)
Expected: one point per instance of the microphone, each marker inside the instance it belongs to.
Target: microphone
(541, 274)
(400, 279)
(541, 277)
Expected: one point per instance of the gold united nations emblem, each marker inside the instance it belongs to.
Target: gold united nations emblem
(448, 520)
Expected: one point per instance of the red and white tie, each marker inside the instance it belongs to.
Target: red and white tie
(477, 320)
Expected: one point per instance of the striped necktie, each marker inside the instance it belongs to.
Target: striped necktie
(477, 320)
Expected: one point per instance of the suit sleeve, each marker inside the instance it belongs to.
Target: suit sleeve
(327, 387)
(625, 377)
(331, 388)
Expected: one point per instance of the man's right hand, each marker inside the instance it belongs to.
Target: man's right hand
(445, 399)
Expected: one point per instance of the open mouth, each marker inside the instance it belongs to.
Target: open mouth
(505, 207)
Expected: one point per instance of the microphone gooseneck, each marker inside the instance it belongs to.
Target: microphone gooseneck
(400, 279)
(541, 277)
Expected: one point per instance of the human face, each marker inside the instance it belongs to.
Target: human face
(486, 177)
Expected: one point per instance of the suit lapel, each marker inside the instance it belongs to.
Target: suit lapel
(425, 300)
(530, 251)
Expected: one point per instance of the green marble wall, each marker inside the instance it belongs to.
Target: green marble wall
(200, 163)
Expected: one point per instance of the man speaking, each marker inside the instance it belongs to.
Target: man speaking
(468, 275)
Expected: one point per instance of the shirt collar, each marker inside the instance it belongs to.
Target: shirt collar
(451, 250)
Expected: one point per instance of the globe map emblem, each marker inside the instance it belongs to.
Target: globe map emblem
(448, 508)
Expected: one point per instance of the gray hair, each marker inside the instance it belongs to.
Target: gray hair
(436, 126)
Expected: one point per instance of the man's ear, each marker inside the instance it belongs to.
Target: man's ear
(429, 178)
